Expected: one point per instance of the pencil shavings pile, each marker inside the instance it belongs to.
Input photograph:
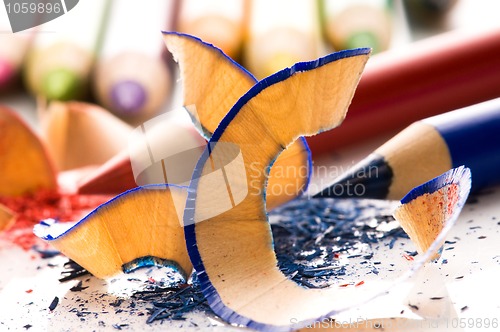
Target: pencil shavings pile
(220, 223)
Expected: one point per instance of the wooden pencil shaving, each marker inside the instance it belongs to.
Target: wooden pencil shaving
(212, 84)
(232, 250)
(109, 238)
(25, 166)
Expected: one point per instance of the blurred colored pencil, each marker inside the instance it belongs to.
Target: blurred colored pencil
(429, 77)
(281, 33)
(428, 13)
(63, 52)
(132, 78)
(357, 23)
(81, 134)
(13, 49)
(7, 217)
(146, 159)
(218, 22)
(469, 136)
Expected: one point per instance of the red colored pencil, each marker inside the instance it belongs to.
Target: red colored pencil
(433, 76)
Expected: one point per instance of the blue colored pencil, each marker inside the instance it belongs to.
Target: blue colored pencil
(469, 136)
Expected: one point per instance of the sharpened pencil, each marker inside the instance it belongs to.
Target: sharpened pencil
(469, 137)
(353, 24)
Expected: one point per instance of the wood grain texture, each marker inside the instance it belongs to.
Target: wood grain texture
(139, 223)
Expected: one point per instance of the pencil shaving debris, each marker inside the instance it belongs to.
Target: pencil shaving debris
(223, 248)
(25, 166)
(344, 253)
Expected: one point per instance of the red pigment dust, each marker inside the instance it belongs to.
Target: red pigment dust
(32, 208)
